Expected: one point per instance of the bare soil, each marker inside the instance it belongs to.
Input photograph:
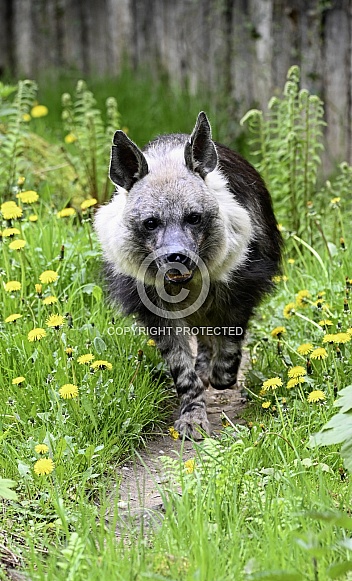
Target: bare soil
(139, 498)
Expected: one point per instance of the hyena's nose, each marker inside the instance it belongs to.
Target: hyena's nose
(181, 258)
(182, 273)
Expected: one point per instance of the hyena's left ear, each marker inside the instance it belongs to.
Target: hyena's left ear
(127, 164)
(200, 152)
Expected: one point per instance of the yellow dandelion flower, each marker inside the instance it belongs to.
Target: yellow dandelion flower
(28, 197)
(48, 276)
(305, 348)
(278, 331)
(39, 289)
(87, 358)
(174, 433)
(36, 334)
(9, 232)
(266, 405)
(21, 180)
(55, 321)
(190, 465)
(41, 448)
(44, 466)
(50, 300)
(337, 338)
(289, 310)
(272, 383)
(68, 391)
(39, 111)
(151, 343)
(66, 213)
(325, 323)
(342, 338)
(285, 278)
(335, 201)
(291, 261)
(100, 364)
(33, 218)
(276, 279)
(262, 393)
(18, 380)
(11, 212)
(12, 285)
(329, 338)
(70, 138)
(297, 371)
(302, 298)
(319, 353)
(69, 352)
(88, 203)
(26, 117)
(17, 244)
(295, 381)
(316, 395)
(13, 318)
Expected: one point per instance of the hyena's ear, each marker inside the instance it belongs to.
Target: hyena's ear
(200, 152)
(127, 164)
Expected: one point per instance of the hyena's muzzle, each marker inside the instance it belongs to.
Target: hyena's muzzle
(177, 259)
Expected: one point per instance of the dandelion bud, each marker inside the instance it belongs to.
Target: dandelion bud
(62, 252)
(66, 99)
(342, 243)
(346, 307)
(140, 355)
(111, 103)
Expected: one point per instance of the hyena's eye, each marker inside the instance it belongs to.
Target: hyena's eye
(193, 218)
(151, 223)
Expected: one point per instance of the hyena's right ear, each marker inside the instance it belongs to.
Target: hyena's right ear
(127, 164)
(200, 153)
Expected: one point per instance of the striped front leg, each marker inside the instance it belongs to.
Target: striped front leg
(177, 352)
(225, 363)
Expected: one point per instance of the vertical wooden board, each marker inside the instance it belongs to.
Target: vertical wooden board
(119, 35)
(46, 44)
(349, 113)
(242, 57)
(311, 46)
(337, 81)
(6, 37)
(74, 55)
(261, 12)
(286, 15)
(97, 38)
(24, 35)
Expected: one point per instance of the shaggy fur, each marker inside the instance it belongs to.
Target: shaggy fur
(189, 212)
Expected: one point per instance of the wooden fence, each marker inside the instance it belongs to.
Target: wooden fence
(240, 48)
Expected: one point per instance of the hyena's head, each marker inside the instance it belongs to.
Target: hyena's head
(172, 210)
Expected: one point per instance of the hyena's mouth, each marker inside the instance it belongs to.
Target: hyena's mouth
(176, 277)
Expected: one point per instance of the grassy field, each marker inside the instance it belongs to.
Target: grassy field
(77, 396)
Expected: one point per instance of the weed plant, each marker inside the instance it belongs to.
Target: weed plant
(270, 499)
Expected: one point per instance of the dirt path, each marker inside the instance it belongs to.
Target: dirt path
(138, 494)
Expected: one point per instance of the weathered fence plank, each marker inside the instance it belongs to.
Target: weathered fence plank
(241, 49)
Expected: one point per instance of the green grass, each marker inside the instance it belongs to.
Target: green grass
(260, 503)
(149, 107)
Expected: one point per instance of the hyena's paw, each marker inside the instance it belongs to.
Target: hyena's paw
(193, 424)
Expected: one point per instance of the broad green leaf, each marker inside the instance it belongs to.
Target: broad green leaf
(5, 489)
(345, 399)
(339, 569)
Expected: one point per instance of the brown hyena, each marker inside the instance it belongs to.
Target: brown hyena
(190, 245)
